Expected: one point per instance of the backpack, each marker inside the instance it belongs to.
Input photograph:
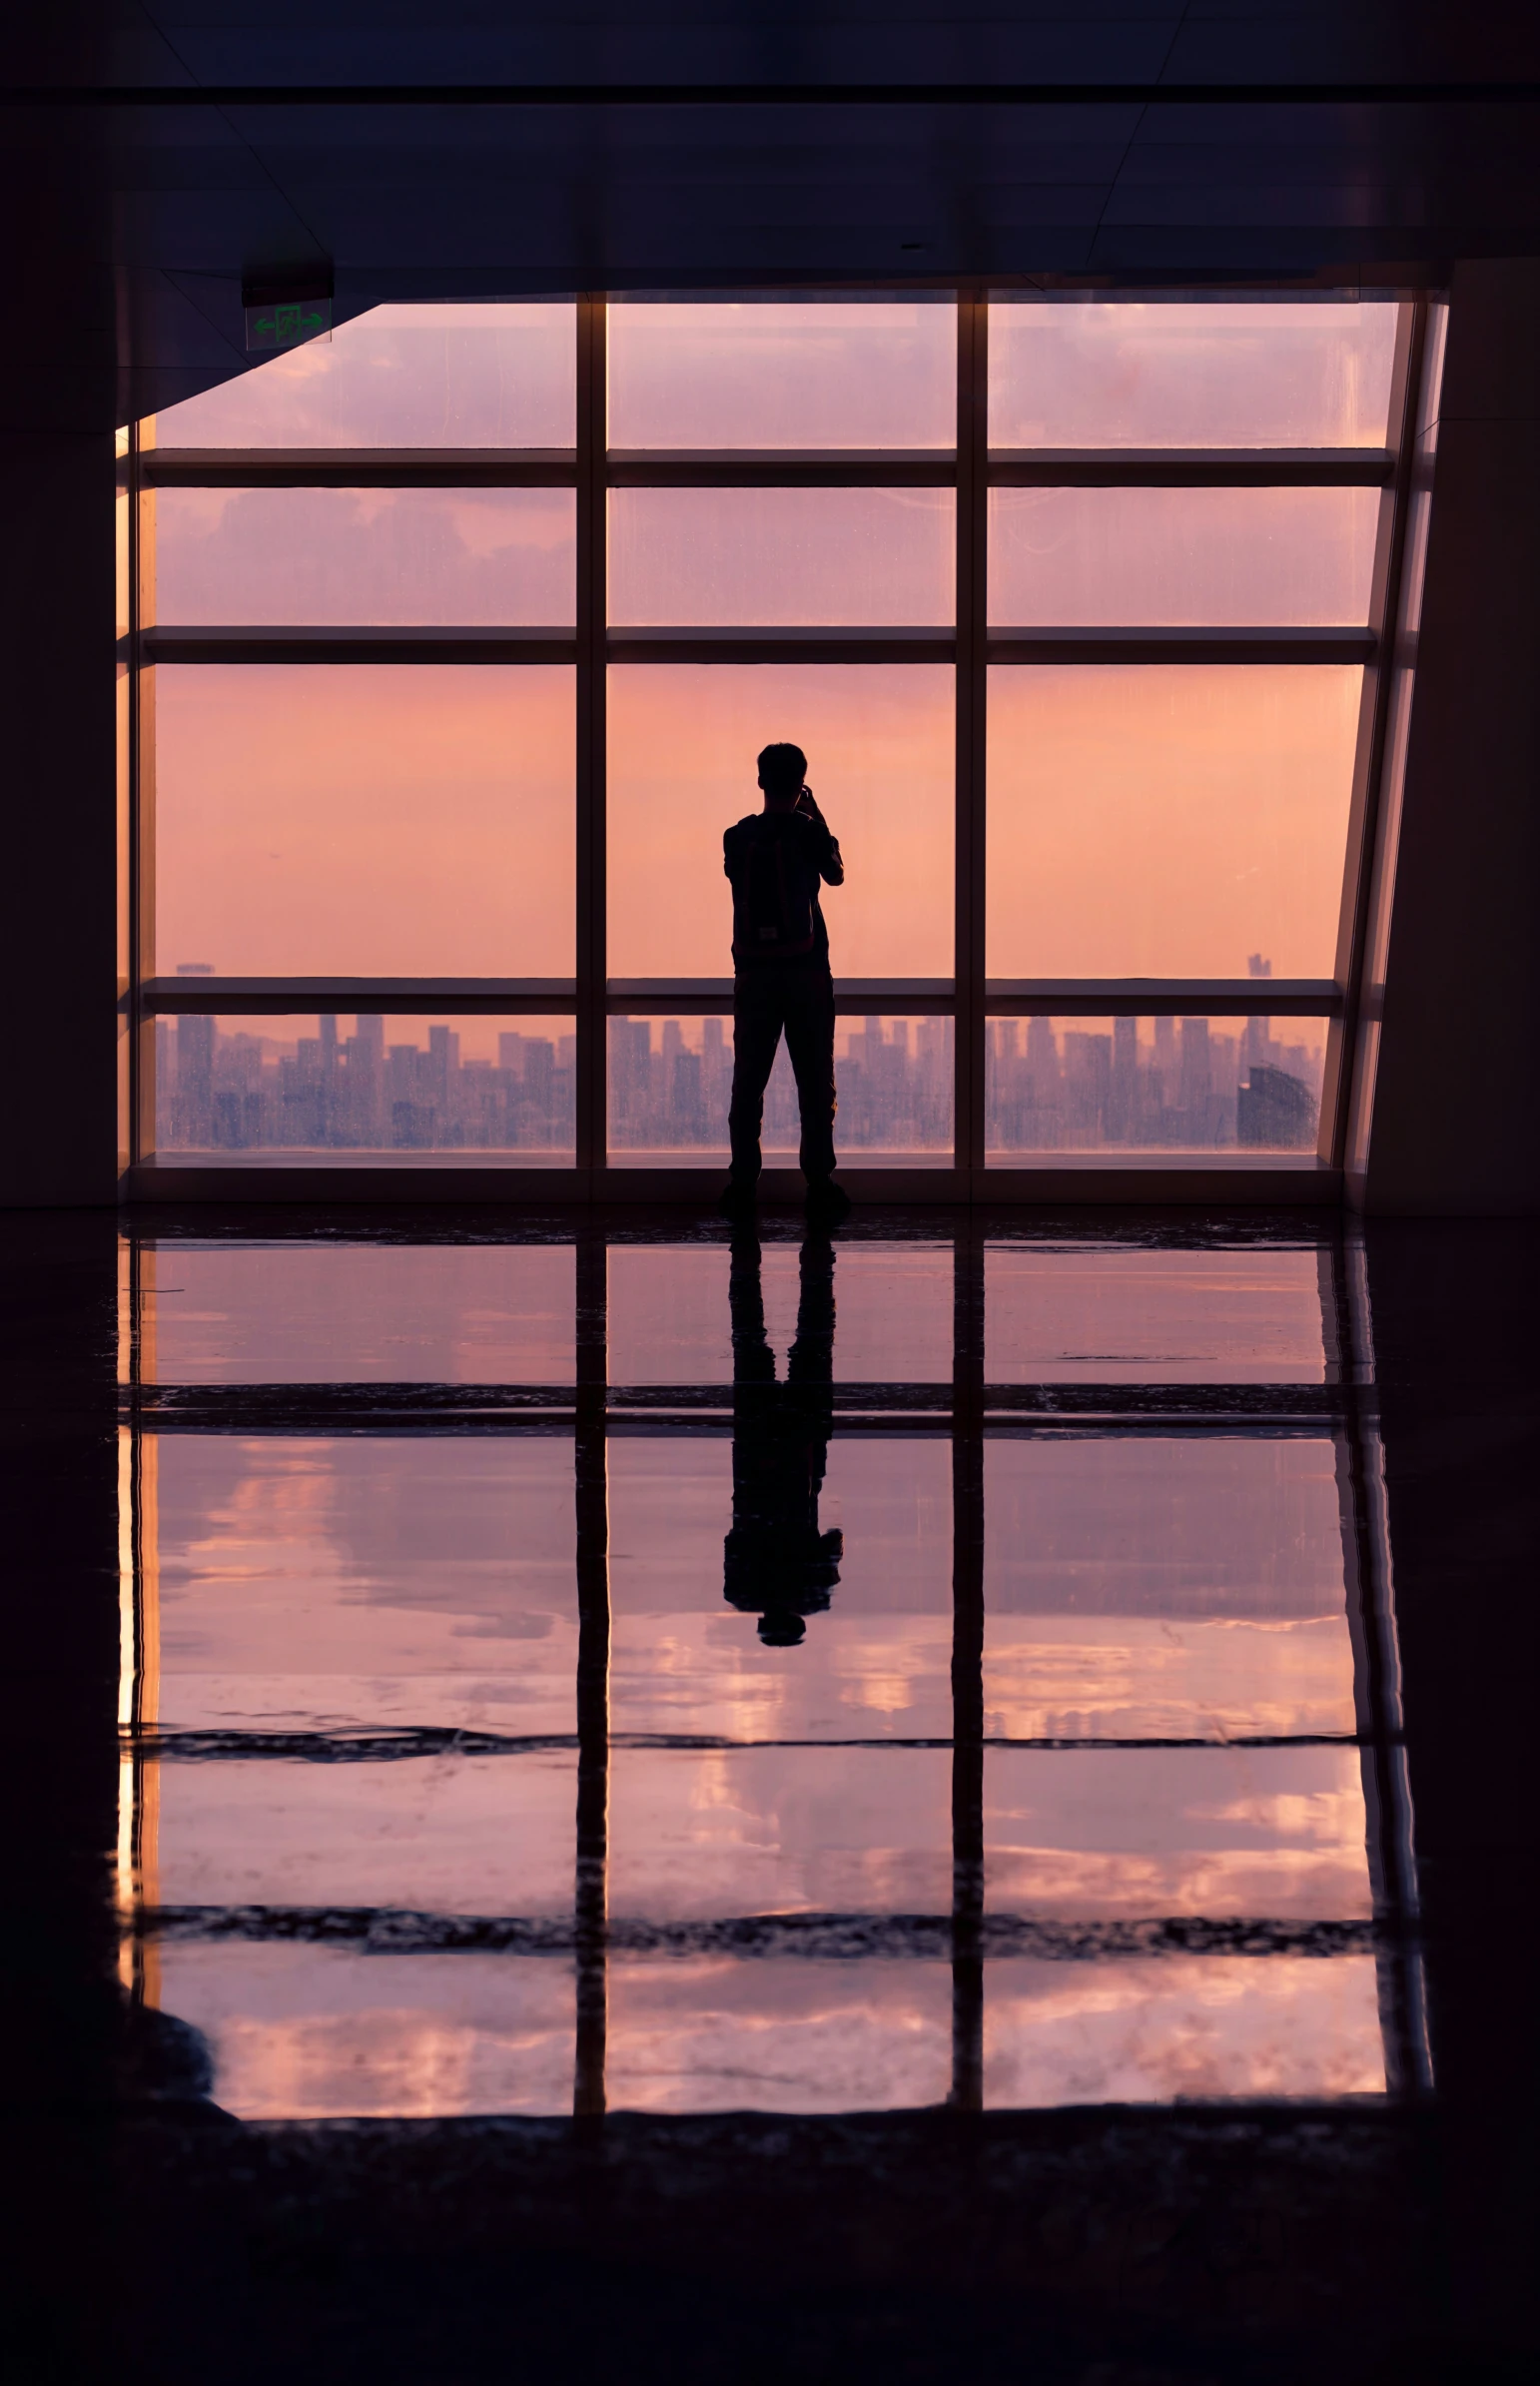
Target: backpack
(776, 892)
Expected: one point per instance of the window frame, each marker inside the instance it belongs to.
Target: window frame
(970, 998)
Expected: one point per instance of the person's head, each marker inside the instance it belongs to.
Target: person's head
(782, 1628)
(781, 772)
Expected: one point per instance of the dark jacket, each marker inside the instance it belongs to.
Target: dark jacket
(809, 855)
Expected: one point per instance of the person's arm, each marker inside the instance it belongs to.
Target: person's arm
(831, 869)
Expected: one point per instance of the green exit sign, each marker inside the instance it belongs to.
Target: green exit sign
(288, 323)
(288, 305)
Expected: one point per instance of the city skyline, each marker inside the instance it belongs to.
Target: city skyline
(403, 1084)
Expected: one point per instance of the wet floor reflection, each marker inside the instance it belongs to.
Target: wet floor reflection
(313, 2032)
(341, 1313)
(447, 1833)
(1137, 2033)
(777, 2035)
(1085, 1833)
(768, 1674)
(1166, 1586)
(670, 1311)
(1064, 1314)
(337, 1583)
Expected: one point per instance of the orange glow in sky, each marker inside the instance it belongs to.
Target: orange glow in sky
(353, 821)
(420, 820)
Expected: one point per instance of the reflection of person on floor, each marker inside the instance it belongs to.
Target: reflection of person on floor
(776, 1562)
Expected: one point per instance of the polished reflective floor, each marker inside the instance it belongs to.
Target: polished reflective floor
(952, 1672)
(760, 1672)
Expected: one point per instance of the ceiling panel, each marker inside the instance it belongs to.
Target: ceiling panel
(138, 219)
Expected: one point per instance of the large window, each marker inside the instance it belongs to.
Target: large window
(455, 639)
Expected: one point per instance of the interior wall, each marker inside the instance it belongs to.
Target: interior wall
(58, 1143)
(1455, 1321)
(1456, 1131)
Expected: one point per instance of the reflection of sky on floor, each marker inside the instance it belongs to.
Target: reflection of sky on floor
(397, 1932)
(308, 2033)
(1151, 1586)
(1137, 2033)
(438, 1834)
(668, 1321)
(1126, 1316)
(711, 2035)
(316, 1314)
(328, 1584)
(1099, 1831)
(751, 1831)
(230, 1312)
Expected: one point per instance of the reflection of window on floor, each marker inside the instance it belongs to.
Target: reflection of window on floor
(461, 1776)
(395, 750)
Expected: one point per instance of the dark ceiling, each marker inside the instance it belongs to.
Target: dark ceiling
(422, 148)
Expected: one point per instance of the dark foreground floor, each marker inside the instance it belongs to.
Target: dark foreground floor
(151, 2233)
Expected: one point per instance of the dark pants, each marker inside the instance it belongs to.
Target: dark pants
(798, 1000)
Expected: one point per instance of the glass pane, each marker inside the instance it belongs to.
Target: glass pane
(402, 376)
(857, 1647)
(670, 1319)
(1167, 820)
(1153, 1084)
(365, 820)
(123, 586)
(1158, 1588)
(768, 374)
(338, 1312)
(1189, 375)
(1185, 557)
(247, 1091)
(396, 557)
(1153, 1316)
(682, 745)
(670, 1081)
(837, 559)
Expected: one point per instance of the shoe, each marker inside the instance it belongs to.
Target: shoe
(828, 1201)
(736, 1201)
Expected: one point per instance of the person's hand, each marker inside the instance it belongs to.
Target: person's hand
(808, 802)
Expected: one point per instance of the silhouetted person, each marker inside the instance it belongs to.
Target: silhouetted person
(776, 1562)
(776, 861)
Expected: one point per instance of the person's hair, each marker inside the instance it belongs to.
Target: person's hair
(782, 767)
